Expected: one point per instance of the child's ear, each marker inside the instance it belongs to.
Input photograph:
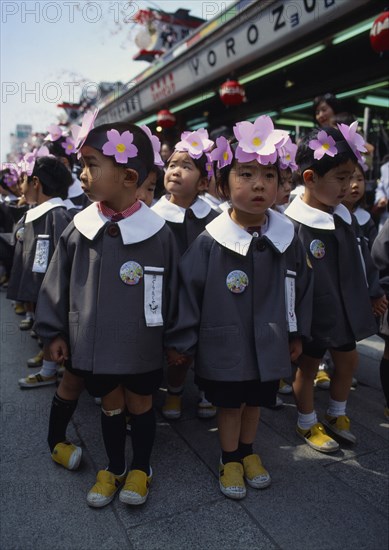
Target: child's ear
(203, 184)
(36, 182)
(310, 178)
(131, 177)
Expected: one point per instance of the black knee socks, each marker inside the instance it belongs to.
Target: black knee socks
(114, 437)
(60, 414)
(143, 428)
(384, 375)
(244, 449)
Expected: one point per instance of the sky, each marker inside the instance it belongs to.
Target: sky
(51, 50)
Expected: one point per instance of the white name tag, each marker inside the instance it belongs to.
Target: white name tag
(153, 279)
(290, 300)
(41, 258)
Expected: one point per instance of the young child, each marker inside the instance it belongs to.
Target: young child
(186, 178)
(245, 302)
(106, 300)
(354, 201)
(342, 302)
(45, 184)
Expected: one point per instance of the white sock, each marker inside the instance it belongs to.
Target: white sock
(49, 368)
(306, 421)
(336, 408)
(30, 315)
(175, 390)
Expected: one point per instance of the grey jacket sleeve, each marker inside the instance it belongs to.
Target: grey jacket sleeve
(304, 292)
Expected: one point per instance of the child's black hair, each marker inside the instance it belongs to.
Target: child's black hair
(55, 148)
(305, 159)
(143, 163)
(53, 175)
(159, 186)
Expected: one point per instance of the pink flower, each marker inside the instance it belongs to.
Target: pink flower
(29, 159)
(68, 145)
(195, 143)
(323, 145)
(55, 133)
(287, 155)
(120, 146)
(258, 141)
(80, 133)
(355, 140)
(222, 153)
(156, 146)
(10, 178)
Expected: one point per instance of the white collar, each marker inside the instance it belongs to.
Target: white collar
(212, 201)
(75, 190)
(362, 215)
(173, 213)
(70, 205)
(225, 231)
(301, 212)
(138, 227)
(38, 211)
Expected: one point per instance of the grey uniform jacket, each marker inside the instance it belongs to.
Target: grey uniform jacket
(186, 224)
(344, 275)
(367, 225)
(49, 218)
(241, 297)
(110, 291)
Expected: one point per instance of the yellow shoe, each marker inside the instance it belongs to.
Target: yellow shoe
(317, 438)
(172, 408)
(37, 380)
(136, 487)
(36, 361)
(19, 309)
(254, 472)
(105, 488)
(339, 425)
(67, 455)
(284, 387)
(322, 380)
(231, 480)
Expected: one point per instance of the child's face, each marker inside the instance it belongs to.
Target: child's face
(101, 178)
(145, 192)
(285, 187)
(183, 179)
(252, 187)
(324, 114)
(328, 191)
(356, 188)
(28, 191)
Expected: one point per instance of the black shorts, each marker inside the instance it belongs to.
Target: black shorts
(313, 349)
(231, 395)
(99, 385)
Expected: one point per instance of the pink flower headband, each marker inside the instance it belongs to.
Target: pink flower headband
(55, 132)
(12, 177)
(259, 141)
(28, 162)
(326, 145)
(287, 156)
(120, 146)
(156, 146)
(80, 133)
(195, 143)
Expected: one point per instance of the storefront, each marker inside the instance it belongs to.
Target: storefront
(284, 53)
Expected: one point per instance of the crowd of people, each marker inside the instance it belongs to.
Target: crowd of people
(248, 259)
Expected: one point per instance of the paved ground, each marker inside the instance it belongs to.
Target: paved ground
(315, 501)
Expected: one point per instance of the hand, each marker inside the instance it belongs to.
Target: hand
(295, 349)
(175, 359)
(59, 350)
(382, 202)
(379, 305)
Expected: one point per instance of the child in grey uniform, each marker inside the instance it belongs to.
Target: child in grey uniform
(244, 303)
(105, 303)
(346, 289)
(37, 236)
(187, 215)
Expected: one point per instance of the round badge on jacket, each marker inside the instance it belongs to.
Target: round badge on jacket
(317, 249)
(20, 234)
(131, 273)
(237, 281)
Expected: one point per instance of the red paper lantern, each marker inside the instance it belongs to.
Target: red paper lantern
(232, 93)
(166, 119)
(379, 34)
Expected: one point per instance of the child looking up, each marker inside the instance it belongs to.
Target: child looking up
(105, 303)
(245, 301)
(186, 177)
(343, 303)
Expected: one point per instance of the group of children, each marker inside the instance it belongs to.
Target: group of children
(217, 275)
